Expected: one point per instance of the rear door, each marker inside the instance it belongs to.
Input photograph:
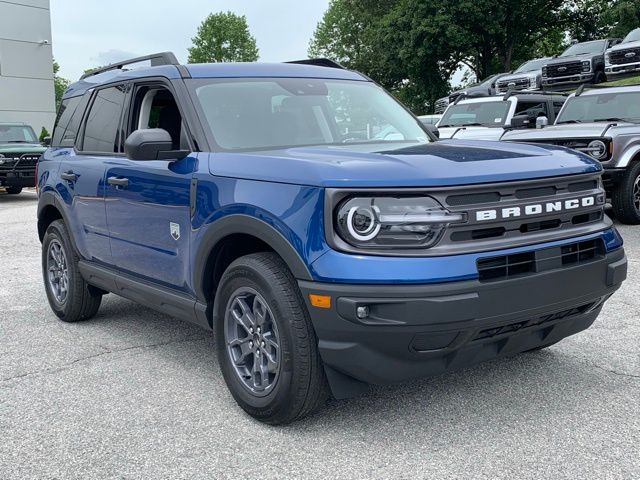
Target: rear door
(82, 170)
(148, 202)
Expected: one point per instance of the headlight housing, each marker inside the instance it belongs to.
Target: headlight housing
(586, 66)
(597, 149)
(386, 222)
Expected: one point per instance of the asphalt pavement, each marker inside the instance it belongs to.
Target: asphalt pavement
(135, 394)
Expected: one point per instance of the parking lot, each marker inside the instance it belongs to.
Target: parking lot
(135, 394)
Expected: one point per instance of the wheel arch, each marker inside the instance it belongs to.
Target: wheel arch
(632, 154)
(233, 236)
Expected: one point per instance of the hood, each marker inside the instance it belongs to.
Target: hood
(573, 58)
(471, 133)
(625, 46)
(21, 148)
(515, 76)
(566, 130)
(442, 163)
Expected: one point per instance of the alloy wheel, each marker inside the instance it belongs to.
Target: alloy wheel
(57, 272)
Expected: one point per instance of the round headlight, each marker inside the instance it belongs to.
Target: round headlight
(597, 149)
(363, 223)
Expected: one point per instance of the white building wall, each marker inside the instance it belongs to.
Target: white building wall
(26, 64)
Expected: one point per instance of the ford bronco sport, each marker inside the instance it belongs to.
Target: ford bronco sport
(604, 123)
(19, 154)
(316, 227)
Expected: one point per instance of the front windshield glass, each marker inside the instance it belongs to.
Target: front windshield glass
(483, 114)
(601, 107)
(632, 36)
(17, 134)
(266, 113)
(532, 65)
(586, 48)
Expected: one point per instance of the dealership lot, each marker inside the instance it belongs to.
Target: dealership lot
(135, 394)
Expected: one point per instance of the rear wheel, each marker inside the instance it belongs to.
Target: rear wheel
(70, 297)
(625, 198)
(14, 190)
(266, 345)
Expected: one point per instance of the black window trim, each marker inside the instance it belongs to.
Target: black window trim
(79, 143)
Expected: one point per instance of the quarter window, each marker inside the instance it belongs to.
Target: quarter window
(65, 113)
(101, 128)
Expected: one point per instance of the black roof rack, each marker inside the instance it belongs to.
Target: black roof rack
(512, 92)
(319, 62)
(162, 58)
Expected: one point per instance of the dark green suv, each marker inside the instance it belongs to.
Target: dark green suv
(19, 154)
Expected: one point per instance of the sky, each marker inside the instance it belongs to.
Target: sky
(90, 33)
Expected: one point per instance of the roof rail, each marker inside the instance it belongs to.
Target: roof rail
(162, 58)
(319, 62)
(584, 87)
(512, 92)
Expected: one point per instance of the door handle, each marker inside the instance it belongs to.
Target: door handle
(118, 181)
(69, 176)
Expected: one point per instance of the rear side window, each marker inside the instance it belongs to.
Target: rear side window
(66, 111)
(103, 120)
(532, 109)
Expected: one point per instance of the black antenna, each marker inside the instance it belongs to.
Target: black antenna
(162, 58)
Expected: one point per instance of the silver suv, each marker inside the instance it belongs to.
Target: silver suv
(624, 58)
(603, 123)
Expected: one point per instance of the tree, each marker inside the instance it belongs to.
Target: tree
(223, 37)
(59, 84)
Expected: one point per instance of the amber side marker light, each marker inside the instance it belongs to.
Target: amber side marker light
(320, 301)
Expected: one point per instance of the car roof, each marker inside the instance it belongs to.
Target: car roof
(523, 96)
(215, 70)
(599, 90)
(14, 124)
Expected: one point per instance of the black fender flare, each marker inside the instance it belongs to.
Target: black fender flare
(244, 224)
(50, 199)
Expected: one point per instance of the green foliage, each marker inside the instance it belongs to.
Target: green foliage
(59, 84)
(223, 37)
(43, 133)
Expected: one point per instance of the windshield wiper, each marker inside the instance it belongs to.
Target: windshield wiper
(613, 119)
(569, 121)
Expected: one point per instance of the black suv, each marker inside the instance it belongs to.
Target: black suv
(578, 64)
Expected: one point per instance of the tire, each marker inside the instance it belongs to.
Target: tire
(599, 77)
(282, 379)
(13, 190)
(625, 198)
(80, 301)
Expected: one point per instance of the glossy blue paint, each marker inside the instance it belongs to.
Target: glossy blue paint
(337, 267)
(443, 163)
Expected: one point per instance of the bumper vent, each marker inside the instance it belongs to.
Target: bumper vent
(505, 267)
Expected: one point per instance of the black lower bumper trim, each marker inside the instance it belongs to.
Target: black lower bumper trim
(412, 331)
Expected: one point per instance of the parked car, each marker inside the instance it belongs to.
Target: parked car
(624, 59)
(579, 64)
(480, 89)
(429, 119)
(19, 154)
(487, 118)
(230, 197)
(603, 123)
(528, 77)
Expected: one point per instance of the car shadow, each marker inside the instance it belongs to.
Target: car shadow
(24, 197)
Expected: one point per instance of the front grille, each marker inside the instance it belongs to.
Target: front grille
(563, 69)
(505, 267)
(515, 84)
(21, 162)
(619, 57)
(534, 322)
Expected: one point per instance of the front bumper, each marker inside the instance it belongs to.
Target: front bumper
(567, 81)
(612, 177)
(414, 331)
(621, 71)
(17, 178)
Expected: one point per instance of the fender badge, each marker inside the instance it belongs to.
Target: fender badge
(175, 230)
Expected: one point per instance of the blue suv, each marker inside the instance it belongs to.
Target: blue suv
(312, 222)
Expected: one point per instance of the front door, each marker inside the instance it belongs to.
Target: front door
(148, 202)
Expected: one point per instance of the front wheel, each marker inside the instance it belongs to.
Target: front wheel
(70, 297)
(625, 198)
(266, 345)
(14, 190)
(599, 77)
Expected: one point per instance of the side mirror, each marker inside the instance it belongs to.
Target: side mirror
(432, 129)
(520, 121)
(152, 144)
(46, 141)
(542, 122)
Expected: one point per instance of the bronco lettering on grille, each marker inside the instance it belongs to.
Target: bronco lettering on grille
(535, 209)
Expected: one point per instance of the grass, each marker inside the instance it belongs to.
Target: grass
(624, 81)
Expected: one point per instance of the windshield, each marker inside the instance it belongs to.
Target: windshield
(632, 36)
(586, 48)
(266, 113)
(484, 114)
(601, 107)
(17, 134)
(532, 65)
